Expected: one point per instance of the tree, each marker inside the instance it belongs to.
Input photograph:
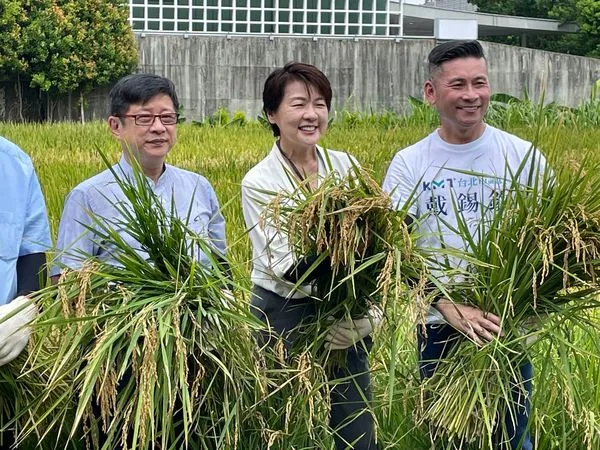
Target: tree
(12, 63)
(589, 21)
(63, 46)
(78, 44)
(586, 13)
(529, 8)
(11, 18)
(543, 9)
(110, 43)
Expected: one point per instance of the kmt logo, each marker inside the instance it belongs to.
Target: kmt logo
(441, 184)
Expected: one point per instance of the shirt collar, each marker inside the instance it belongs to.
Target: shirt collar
(320, 156)
(124, 168)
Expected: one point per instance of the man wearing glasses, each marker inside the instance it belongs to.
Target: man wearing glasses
(143, 118)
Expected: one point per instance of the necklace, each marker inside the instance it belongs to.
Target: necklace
(292, 165)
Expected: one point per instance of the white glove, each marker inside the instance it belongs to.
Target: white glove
(346, 333)
(14, 334)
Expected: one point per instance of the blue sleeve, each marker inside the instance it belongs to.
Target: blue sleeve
(216, 225)
(36, 230)
(75, 241)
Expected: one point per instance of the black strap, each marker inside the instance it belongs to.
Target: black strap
(31, 273)
(291, 163)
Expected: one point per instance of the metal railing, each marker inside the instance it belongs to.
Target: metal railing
(351, 18)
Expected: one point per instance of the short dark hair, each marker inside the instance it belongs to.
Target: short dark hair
(451, 50)
(277, 81)
(139, 88)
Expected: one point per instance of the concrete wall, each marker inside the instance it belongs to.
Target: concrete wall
(212, 72)
(366, 75)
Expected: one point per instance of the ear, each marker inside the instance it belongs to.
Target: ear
(271, 117)
(429, 92)
(116, 126)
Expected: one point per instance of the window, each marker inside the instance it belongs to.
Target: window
(313, 17)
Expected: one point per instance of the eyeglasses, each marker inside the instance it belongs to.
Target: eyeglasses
(145, 120)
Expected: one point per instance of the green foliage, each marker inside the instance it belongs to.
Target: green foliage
(504, 111)
(219, 117)
(385, 120)
(525, 8)
(239, 119)
(180, 117)
(48, 44)
(263, 120)
(77, 44)
(64, 45)
(590, 11)
(507, 111)
(222, 118)
(11, 18)
(589, 21)
(586, 13)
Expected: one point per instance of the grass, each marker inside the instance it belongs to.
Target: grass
(64, 155)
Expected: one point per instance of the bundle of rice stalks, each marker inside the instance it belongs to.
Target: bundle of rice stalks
(13, 397)
(24, 402)
(293, 412)
(156, 352)
(570, 357)
(532, 261)
(347, 222)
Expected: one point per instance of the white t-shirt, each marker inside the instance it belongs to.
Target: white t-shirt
(271, 252)
(434, 173)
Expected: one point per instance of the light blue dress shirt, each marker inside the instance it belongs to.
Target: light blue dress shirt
(24, 226)
(191, 193)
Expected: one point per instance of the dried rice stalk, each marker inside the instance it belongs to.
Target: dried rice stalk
(536, 257)
(350, 221)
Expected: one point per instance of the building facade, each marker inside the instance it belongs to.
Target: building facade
(281, 17)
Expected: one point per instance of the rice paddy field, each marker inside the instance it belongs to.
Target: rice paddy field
(65, 154)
